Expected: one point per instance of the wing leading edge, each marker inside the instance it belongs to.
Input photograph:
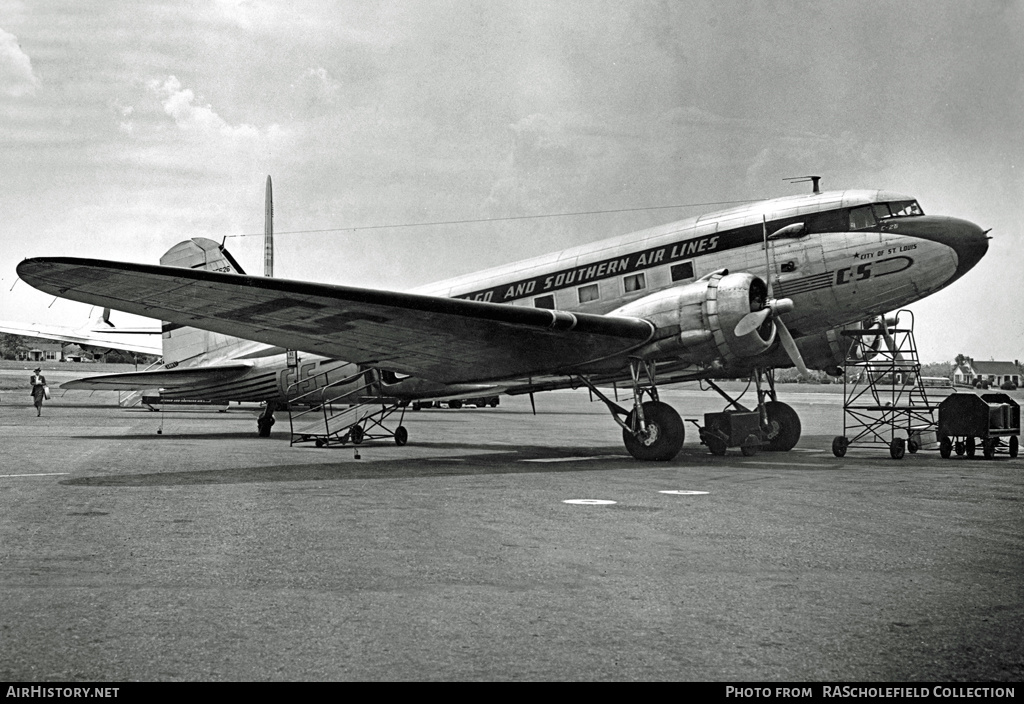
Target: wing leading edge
(444, 339)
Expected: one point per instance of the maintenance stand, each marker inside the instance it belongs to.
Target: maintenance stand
(886, 398)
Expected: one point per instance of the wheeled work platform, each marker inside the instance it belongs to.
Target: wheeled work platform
(884, 400)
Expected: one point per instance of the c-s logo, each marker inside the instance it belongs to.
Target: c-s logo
(843, 275)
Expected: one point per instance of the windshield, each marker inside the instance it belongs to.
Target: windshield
(897, 209)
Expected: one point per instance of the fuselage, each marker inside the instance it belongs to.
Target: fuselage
(840, 256)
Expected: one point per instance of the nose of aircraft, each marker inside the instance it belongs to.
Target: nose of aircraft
(965, 238)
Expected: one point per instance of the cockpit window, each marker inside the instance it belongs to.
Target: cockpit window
(905, 208)
(861, 218)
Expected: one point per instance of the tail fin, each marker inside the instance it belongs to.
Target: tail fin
(179, 342)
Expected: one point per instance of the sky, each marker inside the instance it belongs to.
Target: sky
(128, 127)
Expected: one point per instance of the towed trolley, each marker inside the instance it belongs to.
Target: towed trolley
(967, 420)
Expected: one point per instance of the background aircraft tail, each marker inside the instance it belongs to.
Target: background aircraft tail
(180, 342)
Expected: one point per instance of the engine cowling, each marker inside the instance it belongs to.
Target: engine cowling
(696, 321)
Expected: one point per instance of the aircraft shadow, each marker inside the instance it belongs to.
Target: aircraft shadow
(352, 469)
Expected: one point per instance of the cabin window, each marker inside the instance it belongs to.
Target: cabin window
(634, 282)
(544, 302)
(588, 293)
(861, 218)
(828, 221)
(682, 271)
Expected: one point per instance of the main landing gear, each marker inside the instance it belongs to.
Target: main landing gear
(778, 424)
(652, 431)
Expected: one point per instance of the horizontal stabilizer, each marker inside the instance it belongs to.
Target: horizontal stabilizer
(158, 379)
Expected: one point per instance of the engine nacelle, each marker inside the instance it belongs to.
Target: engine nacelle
(696, 321)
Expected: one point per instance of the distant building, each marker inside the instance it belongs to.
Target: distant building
(42, 352)
(972, 373)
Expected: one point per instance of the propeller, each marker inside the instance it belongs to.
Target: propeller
(773, 308)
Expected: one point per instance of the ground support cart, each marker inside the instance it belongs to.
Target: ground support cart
(884, 400)
(740, 429)
(966, 420)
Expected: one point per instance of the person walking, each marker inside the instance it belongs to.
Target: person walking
(38, 390)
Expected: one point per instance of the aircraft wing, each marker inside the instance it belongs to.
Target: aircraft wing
(132, 341)
(443, 339)
(158, 379)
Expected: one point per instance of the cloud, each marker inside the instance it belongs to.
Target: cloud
(179, 103)
(16, 77)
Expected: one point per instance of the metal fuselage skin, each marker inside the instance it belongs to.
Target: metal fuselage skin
(842, 266)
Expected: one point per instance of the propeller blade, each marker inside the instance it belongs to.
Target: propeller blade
(751, 322)
(791, 349)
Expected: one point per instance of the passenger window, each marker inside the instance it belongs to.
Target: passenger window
(682, 271)
(634, 282)
(544, 302)
(861, 218)
(588, 293)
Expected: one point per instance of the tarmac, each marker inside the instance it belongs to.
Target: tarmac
(204, 553)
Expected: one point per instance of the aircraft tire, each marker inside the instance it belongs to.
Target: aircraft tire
(750, 446)
(971, 446)
(897, 448)
(667, 434)
(839, 446)
(1014, 446)
(263, 426)
(945, 447)
(356, 434)
(789, 426)
(401, 435)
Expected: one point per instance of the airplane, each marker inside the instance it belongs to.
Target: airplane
(98, 336)
(732, 294)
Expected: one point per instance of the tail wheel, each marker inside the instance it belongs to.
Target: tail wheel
(788, 430)
(662, 439)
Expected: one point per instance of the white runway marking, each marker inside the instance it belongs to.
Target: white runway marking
(576, 459)
(680, 492)
(791, 464)
(47, 474)
(589, 502)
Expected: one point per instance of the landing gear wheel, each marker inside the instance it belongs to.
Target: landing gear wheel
(264, 425)
(839, 445)
(789, 426)
(356, 434)
(664, 435)
(912, 446)
(970, 446)
(319, 443)
(750, 446)
(989, 448)
(897, 448)
(1013, 446)
(945, 447)
(959, 448)
(401, 435)
(716, 446)
(455, 405)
